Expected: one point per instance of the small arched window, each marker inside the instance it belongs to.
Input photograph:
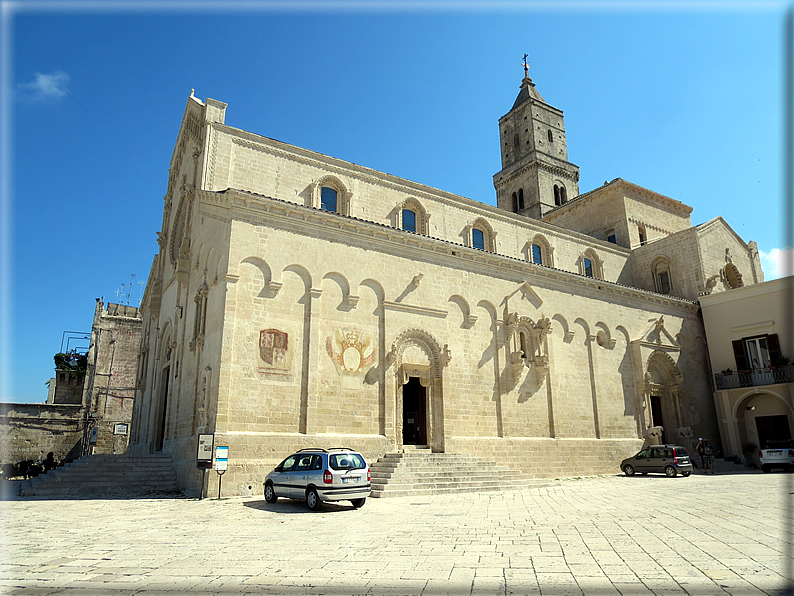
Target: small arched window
(410, 215)
(480, 235)
(478, 239)
(328, 199)
(590, 265)
(516, 141)
(563, 195)
(515, 203)
(660, 270)
(539, 251)
(557, 200)
(520, 198)
(643, 236)
(409, 220)
(551, 136)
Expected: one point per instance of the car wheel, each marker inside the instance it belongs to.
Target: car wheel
(358, 503)
(270, 493)
(766, 469)
(685, 474)
(670, 471)
(313, 500)
(628, 470)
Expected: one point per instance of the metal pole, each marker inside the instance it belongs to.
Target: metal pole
(220, 478)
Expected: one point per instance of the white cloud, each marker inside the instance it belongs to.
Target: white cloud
(777, 263)
(45, 86)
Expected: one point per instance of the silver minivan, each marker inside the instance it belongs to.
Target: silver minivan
(668, 459)
(318, 475)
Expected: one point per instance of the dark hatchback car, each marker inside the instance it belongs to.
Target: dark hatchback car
(667, 459)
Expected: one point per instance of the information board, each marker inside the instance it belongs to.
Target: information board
(204, 455)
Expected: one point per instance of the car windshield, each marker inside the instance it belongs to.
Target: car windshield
(347, 461)
(779, 444)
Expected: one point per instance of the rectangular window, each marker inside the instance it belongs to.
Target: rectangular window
(478, 239)
(588, 268)
(664, 282)
(612, 238)
(537, 255)
(328, 199)
(756, 352)
(409, 220)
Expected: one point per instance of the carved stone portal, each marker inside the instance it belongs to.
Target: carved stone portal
(527, 344)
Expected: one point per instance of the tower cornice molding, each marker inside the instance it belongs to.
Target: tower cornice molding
(536, 165)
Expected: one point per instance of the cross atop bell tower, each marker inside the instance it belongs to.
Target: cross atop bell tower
(536, 175)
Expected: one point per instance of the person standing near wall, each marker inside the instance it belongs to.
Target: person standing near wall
(701, 447)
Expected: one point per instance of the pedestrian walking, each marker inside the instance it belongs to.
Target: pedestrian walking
(708, 458)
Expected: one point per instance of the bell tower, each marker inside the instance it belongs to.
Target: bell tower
(536, 175)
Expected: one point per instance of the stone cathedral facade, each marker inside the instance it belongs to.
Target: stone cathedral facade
(301, 300)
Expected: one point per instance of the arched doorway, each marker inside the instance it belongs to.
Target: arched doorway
(662, 382)
(419, 407)
(762, 417)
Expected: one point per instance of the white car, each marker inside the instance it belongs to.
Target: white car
(777, 454)
(318, 475)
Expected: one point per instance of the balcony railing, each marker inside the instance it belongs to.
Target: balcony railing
(754, 378)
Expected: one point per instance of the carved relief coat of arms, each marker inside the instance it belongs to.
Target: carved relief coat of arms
(273, 346)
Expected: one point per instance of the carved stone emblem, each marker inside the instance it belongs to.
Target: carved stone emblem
(350, 350)
(273, 346)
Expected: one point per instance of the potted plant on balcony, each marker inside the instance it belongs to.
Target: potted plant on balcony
(779, 362)
(727, 371)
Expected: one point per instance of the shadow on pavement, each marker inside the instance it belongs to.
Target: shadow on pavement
(293, 506)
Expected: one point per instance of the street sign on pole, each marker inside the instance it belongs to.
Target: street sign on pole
(221, 464)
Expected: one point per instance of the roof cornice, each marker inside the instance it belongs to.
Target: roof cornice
(255, 204)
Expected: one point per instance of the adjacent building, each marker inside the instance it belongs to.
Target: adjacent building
(750, 343)
(89, 406)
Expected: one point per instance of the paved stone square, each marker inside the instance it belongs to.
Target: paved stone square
(607, 535)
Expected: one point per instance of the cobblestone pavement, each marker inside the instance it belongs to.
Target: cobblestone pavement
(608, 535)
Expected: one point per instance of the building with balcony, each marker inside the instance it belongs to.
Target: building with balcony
(749, 332)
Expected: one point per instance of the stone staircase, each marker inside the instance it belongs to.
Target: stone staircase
(420, 472)
(106, 475)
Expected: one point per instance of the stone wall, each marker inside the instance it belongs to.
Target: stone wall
(30, 431)
(112, 371)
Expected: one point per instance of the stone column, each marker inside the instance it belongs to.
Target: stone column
(312, 343)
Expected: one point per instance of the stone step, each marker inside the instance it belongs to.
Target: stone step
(98, 475)
(424, 491)
(420, 472)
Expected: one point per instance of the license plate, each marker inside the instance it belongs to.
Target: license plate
(350, 479)
(775, 452)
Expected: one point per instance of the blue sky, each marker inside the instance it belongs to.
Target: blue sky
(687, 102)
